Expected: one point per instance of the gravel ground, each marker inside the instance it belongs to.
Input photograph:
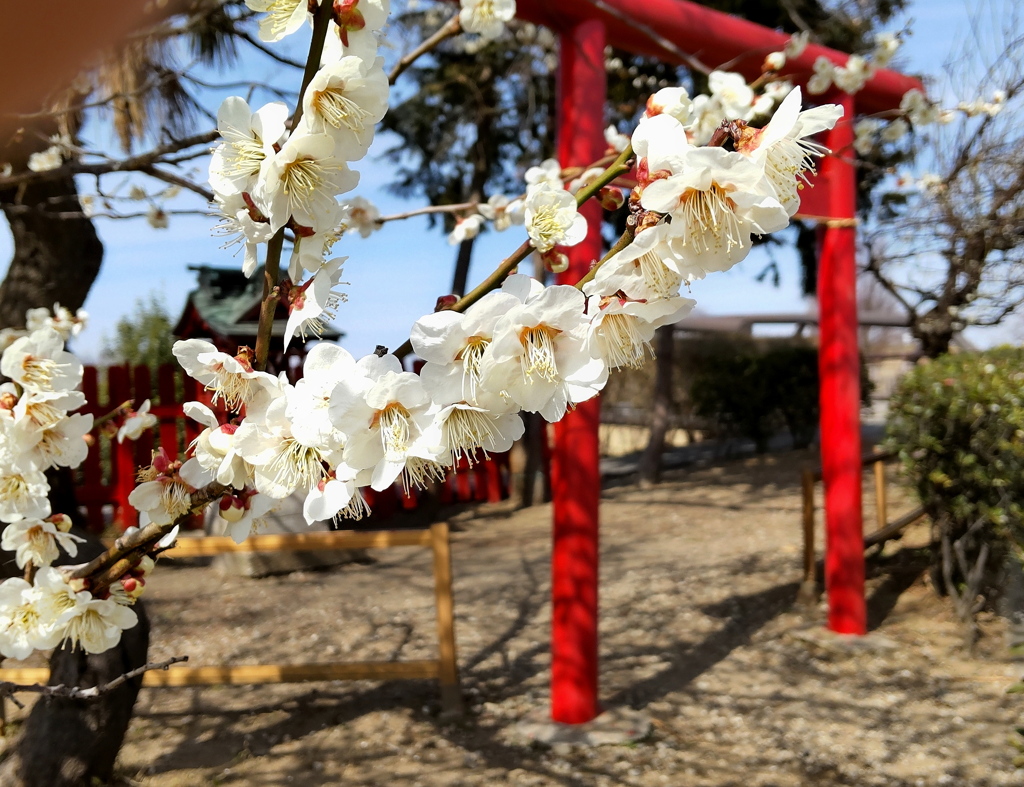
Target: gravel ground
(698, 629)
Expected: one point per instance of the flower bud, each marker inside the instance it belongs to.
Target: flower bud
(555, 261)
(610, 198)
(61, 521)
(774, 62)
(232, 509)
(445, 302)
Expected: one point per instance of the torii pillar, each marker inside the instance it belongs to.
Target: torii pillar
(575, 470)
(839, 371)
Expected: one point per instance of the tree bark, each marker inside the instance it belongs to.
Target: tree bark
(661, 407)
(462, 262)
(55, 259)
(74, 743)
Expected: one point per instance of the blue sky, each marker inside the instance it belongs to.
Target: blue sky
(396, 275)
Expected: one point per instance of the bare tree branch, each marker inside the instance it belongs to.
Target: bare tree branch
(8, 689)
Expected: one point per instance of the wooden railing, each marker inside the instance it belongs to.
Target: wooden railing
(444, 668)
(886, 530)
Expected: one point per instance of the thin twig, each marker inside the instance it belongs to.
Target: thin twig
(454, 208)
(620, 166)
(130, 164)
(450, 28)
(653, 34)
(8, 689)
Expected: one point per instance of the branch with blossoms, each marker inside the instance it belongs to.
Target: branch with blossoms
(511, 345)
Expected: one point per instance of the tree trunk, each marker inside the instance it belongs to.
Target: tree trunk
(71, 743)
(74, 743)
(661, 407)
(462, 262)
(55, 259)
(65, 743)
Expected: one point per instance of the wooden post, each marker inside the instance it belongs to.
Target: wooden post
(881, 515)
(808, 593)
(451, 695)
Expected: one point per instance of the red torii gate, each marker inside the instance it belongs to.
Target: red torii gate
(585, 28)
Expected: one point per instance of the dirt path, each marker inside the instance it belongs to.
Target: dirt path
(698, 580)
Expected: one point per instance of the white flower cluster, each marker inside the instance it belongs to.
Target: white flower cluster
(349, 423)
(266, 178)
(352, 423)
(38, 431)
(852, 77)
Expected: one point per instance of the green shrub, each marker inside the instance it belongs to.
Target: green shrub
(759, 389)
(958, 424)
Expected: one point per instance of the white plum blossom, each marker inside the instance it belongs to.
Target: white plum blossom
(824, 73)
(346, 100)
(23, 491)
(45, 160)
(717, 198)
(621, 329)
(896, 130)
(37, 540)
(384, 413)
(552, 218)
(60, 445)
(249, 139)
(616, 140)
(359, 215)
(39, 364)
(283, 461)
(56, 602)
(886, 46)
(732, 93)
(466, 228)
(649, 268)
(301, 180)
(243, 223)
(136, 423)
(243, 512)
(309, 402)
(283, 17)
(852, 77)
(784, 148)
(486, 17)
(230, 378)
(917, 108)
(548, 171)
(20, 619)
(672, 101)
(310, 250)
(796, 44)
(502, 212)
(864, 131)
(774, 61)
(335, 498)
(539, 358)
(453, 344)
(214, 448)
(60, 319)
(96, 624)
(165, 493)
(312, 306)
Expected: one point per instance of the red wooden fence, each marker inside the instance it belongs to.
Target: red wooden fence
(107, 476)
